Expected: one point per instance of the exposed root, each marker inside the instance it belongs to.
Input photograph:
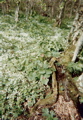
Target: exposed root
(62, 101)
(53, 97)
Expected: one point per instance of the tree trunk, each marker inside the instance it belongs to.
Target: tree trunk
(64, 98)
(26, 10)
(17, 13)
(7, 5)
(71, 11)
(76, 28)
(78, 47)
(61, 13)
(3, 7)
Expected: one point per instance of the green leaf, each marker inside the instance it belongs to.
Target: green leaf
(44, 80)
(45, 64)
(42, 71)
(52, 113)
(48, 72)
(45, 112)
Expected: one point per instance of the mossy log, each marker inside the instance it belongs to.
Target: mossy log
(63, 88)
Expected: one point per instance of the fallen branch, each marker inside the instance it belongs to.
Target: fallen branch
(53, 97)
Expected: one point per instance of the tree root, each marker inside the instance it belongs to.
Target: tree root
(53, 97)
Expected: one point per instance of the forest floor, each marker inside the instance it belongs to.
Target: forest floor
(26, 50)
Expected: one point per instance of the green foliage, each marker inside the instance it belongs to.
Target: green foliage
(75, 68)
(24, 69)
(66, 23)
(81, 56)
(49, 115)
(1, 1)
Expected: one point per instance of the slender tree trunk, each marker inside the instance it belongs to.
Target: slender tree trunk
(3, 7)
(78, 47)
(26, 13)
(61, 14)
(7, 5)
(76, 31)
(77, 24)
(17, 13)
(71, 11)
(54, 3)
(26, 10)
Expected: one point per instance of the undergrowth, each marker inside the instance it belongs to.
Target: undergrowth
(24, 70)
